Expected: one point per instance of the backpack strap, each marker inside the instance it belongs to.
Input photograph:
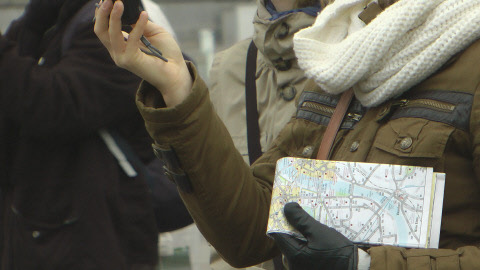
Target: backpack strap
(253, 129)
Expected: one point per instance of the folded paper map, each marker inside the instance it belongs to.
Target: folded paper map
(369, 203)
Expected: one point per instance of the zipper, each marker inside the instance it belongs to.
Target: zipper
(318, 108)
(354, 116)
(426, 103)
(327, 110)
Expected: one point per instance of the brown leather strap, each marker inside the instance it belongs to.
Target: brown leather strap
(370, 12)
(334, 124)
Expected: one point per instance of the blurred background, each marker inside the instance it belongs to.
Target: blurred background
(202, 28)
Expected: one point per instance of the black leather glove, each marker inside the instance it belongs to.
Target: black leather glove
(325, 248)
(40, 15)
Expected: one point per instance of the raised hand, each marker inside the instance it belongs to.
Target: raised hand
(171, 78)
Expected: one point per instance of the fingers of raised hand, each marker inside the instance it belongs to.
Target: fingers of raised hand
(101, 22)
(108, 28)
(133, 41)
(117, 41)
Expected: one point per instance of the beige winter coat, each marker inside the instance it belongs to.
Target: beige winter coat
(278, 78)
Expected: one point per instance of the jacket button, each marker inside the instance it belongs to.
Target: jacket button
(384, 112)
(282, 65)
(405, 143)
(41, 61)
(35, 234)
(307, 151)
(282, 31)
(354, 146)
(288, 93)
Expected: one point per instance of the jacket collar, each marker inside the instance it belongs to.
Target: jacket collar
(312, 11)
(273, 34)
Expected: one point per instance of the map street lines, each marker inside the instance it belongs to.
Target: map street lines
(369, 203)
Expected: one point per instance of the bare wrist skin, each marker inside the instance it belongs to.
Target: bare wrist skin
(180, 90)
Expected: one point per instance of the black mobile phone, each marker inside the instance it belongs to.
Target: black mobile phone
(131, 11)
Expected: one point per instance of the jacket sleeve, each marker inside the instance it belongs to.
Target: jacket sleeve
(227, 199)
(76, 95)
(395, 258)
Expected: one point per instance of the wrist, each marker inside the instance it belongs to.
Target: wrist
(181, 89)
(177, 97)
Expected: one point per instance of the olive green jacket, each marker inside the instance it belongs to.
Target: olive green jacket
(434, 124)
(279, 80)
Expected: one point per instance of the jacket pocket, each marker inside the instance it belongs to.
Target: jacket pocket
(411, 141)
(39, 245)
(419, 127)
(45, 234)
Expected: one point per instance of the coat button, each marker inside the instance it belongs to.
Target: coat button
(354, 146)
(35, 234)
(405, 143)
(282, 64)
(307, 151)
(288, 93)
(282, 31)
(41, 61)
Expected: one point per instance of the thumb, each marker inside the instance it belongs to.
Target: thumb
(304, 222)
(288, 244)
(163, 40)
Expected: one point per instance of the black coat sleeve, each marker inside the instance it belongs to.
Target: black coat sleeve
(71, 94)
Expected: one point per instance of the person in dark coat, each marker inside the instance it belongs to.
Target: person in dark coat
(66, 202)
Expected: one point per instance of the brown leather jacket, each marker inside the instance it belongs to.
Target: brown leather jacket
(230, 201)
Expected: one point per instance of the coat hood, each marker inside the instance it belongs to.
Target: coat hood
(273, 36)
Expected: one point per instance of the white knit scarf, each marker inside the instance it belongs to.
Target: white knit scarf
(404, 45)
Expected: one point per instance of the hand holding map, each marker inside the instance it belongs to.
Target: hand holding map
(324, 246)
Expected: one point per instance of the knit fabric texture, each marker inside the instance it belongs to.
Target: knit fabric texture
(402, 46)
